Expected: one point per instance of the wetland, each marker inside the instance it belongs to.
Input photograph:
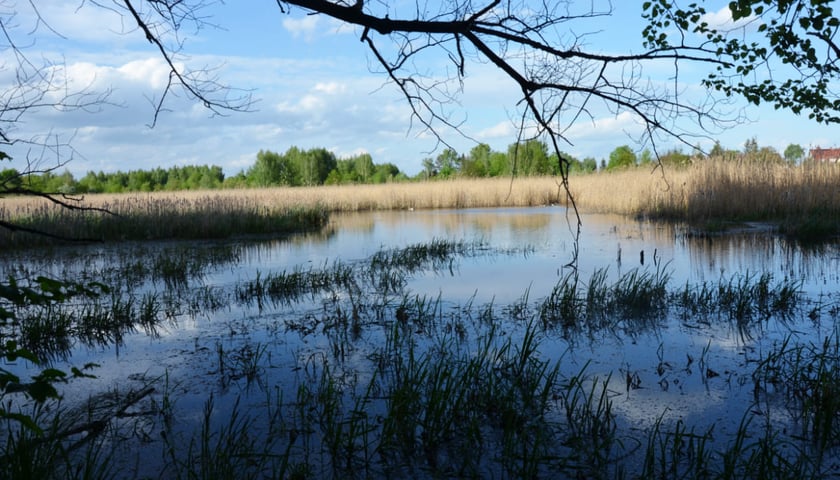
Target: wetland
(434, 343)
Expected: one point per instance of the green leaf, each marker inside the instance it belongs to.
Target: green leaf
(13, 353)
(41, 391)
(80, 374)
(25, 420)
(51, 375)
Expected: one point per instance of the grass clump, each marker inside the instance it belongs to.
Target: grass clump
(807, 377)
(159, 218)
(398, 384)
(636, 296)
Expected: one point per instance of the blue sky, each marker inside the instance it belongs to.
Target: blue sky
(312, 84)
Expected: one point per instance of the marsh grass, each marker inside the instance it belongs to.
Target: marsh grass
(420, 401)
(287, 287)
(638, 298)
(714, 194)
(744, 299)
(157, 217)
(233, 449)
(807, 377)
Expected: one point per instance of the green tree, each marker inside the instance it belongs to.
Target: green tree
(364, 167)
(385, 172)
(312, 165)
(766, 155)
(344, 172)
(570, 162)
(530, 158)
(271, 168)
(447, 163)
(621, 157)
(429, 168)
(675, 158)
(646, 157)
(751, 146)
(477, 163)
(794, 153)
(589, 165)
(499, 164)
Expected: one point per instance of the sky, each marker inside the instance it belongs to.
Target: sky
(313, 84)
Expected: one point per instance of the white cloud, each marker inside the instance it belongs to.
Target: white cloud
(306, 27)
(501, 130)
(152, 72)
(624, 122)
(313, 27)
(330, 88)
(78, 21)
(722, 19)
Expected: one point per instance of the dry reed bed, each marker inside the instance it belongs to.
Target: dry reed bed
(708, 192)
(467, 193)
(225, 213)
(715, 191)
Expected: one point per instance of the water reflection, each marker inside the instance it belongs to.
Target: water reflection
(818, 266)
(693, 366)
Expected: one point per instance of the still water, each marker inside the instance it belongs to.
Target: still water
(655, 374)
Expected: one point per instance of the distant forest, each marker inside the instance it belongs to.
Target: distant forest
(319, 166)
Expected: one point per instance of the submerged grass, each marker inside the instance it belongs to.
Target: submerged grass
(807, 377)
(395, 390)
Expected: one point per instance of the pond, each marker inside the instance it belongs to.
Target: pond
(301, 347)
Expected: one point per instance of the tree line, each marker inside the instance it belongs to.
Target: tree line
(319, 166)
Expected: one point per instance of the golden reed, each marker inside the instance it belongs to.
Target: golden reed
(715, 190)
(707, 191)
(462, 193)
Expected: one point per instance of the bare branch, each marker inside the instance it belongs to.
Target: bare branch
(200, 84)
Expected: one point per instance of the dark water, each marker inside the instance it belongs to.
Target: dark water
(528, 252)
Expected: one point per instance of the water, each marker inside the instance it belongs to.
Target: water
(658, 372)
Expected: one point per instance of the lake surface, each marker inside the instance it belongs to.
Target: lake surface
(657, 371)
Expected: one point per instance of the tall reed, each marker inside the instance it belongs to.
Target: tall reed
(155, 217)
(803, 199)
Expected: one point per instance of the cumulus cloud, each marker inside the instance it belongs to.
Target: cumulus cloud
(57, 20)
(151, 72)
(500, 130)
(306, 27)
(722, 19)
(623, 123)
(312, 27)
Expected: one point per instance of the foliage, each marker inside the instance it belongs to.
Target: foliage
(271, 169)
(675, 158)
(794, 39)
(531, 158)
(794, 153)
(45, 292)
(621, 157)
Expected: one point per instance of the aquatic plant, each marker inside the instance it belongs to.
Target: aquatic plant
(397, 383)
(158, 218)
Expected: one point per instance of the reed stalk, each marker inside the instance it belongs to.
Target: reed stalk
(802, 200)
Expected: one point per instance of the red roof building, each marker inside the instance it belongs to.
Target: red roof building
(830, 155)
